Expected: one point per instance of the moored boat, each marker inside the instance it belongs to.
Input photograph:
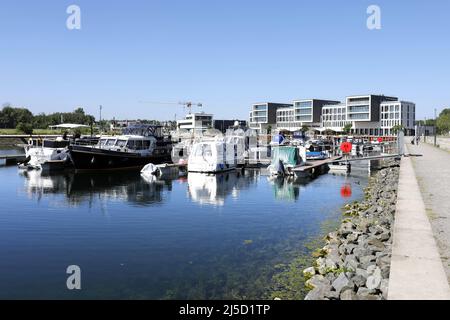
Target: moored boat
(136, 147)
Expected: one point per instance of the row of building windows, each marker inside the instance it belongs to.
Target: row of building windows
(285, 119)
(258, 120)
(303, 118)
(335, 124)
(358, 116)
(396, 108)
(333, 110)
(364, 108)
(330, 117)
(390, 108)
(358, 100)
(303, 104)
(390, 123)
(390, 115)
(260, 107)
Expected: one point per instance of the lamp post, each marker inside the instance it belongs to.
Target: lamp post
(100, 121)
(435, 127)
(425, 131)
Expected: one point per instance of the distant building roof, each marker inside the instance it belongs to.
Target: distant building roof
(69, 126)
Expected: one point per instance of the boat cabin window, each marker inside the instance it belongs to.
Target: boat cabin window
(55, 143)
(102, 142)
(146, 144)
(138, 145)
(130, 144)
(121, 143)
(111, 142)
(203, 150)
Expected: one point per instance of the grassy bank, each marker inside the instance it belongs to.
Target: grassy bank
(35, 131)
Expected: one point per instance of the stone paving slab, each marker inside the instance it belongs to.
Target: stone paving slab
(417, 272)
(433, 176)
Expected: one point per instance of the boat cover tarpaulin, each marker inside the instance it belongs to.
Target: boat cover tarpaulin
(288, 155)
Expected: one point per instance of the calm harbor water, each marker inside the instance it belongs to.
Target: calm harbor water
(200, 237)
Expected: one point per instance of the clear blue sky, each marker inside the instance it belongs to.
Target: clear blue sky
(225, 54)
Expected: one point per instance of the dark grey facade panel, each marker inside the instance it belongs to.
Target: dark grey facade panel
(317, 107)
(375, 105)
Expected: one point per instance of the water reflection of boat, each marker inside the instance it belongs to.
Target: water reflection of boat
(213, 189)
(79, 188)
(287, 188)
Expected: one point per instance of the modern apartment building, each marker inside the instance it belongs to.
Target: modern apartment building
(264, 115)
(306, 112)
(334, 117)
(364, 113)
(369, 114)
(198, 122)
(397, 113)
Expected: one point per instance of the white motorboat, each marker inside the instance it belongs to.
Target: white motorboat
(39, 153)
(217, 154)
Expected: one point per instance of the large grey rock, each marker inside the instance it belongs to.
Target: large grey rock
(367, 261)
(361, 251)
(317, 281)
(361, 272)
(332, 295)
(375, 243)
(353, 237)
(385, 272)
(384, 287)
(350, 262)
(347, 294)
(309, 272)
(374, 280)
(359, 280)
(340, 282)
(346, 228)
(368, 297)
(363, 291)
(383, 261)
(318, 293)
(363, 225)
(325, 265)
(335, 257)
(384, 236)
(349, 248)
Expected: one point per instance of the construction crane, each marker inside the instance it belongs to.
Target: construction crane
(186, 104)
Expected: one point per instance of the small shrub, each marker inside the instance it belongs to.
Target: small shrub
(26, 128)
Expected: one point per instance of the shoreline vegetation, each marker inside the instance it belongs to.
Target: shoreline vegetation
(354, 263)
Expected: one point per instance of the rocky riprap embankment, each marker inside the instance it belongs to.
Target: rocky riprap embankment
(355, 262)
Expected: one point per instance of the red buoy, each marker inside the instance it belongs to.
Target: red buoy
(346, 191)
(346, 147)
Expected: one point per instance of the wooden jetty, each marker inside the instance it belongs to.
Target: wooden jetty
(311, 167)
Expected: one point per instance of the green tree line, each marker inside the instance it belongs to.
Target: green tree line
(24, 120)
(443, 122)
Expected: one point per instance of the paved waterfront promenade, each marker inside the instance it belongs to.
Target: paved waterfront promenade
(422, 227)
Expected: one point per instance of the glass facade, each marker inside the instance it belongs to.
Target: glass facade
(303, 118)
(362, 108)
(303, 104)
(260, 107)
(359, 116)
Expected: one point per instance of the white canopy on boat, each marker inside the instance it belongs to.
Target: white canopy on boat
(69, 126)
